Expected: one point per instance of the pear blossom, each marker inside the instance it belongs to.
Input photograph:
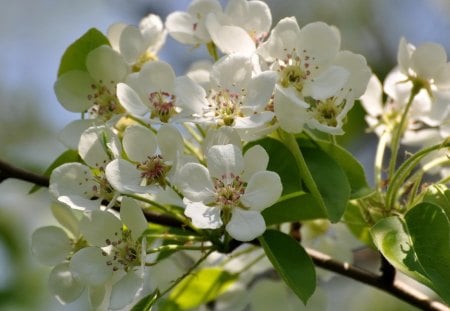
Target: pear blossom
(113, 266)
(152, 159)
(317, 83)
(55, 246)
(238, 97)
(241, 27)
(189, 27)
(156, 90)
(232, 190)
(94, 90)
(84, 186)
(138, 44)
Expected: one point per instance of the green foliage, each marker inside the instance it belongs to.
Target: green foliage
(74, 58)
(291, 262)
(418, 244)
(200, 287)
(146, 303)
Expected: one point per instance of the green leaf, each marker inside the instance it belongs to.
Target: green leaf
(293, 207)
(66, 157)
(357, 224)
(146, 303)
(291, 261)
(439, 195)
(201, 287)
(282, 162)
(418, 245)
(353, 170)
(331, 181)
(74, 58)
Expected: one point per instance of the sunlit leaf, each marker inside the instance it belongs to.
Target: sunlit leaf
(74, 58)
(201, 287)
(291, 262)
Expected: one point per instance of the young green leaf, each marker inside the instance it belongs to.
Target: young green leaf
(201, 287)
(291, 261)
(74, 58)
(418, 245)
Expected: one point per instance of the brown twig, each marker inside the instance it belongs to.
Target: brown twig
(385, 281)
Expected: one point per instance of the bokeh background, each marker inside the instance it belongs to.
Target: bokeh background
(34, 35)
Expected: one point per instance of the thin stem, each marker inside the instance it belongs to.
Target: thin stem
(397, 134)
(193, 132)
(379, 156)
(176, 247)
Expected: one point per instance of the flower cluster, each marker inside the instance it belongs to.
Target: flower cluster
(152, 143)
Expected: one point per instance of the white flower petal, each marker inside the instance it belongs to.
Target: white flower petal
(191, 97)
(170, 142)
(99, 226)
(203, 216)
(328, 83)
(80, 203)
(283, 37)
(71, 133)
(124, 177)
(372, 98)
(50, 245)
(131, 44)
(113, 33)
(72, 179)
(195, 182)
(124, 291)
(442, 77)
(263, 190)
(157, 76)
(360, 73)
(66, 217)
(254, 16)
(221, 136)
(132, 216)
(254, 121)
(106, 66)
(153, 32)
(404, 55)
(139, 143)
(259, 90)
(232, 72)
(72, 90)
(130, 100)
(225, 160)
(98, 296)
(180, 26)
(63, 285)
(92, 146)
(229, 39)
(255, 160)
(427, 59)
(245, 225)
(89, 265)
(290, 110)
(320, 41)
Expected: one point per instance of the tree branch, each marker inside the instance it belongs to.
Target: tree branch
(9, 171)
(385, 282)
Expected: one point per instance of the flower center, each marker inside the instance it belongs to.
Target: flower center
(226, 106)
(104, 101)
(147, 56)
(295, 70)
(163, 104)
(325, 111)
(124, 252)
(229, 190)
(154, 170)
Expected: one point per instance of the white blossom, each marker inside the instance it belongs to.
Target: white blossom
(230, 191)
